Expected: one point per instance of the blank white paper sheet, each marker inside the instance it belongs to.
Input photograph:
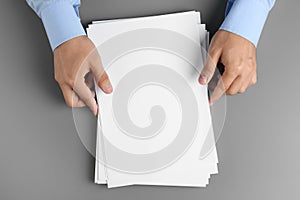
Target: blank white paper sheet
(153, 126)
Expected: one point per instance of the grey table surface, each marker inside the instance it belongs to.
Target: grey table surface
(42, 157)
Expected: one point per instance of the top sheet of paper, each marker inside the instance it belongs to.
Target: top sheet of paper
(152, 127)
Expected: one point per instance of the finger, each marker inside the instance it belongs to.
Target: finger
(247, 83)
(236, 85)
(210, 64)
(101, 76)
(72, 100)
(223, 84)
(253, 79)
(104, 83)
(80, 103)
(87, 96)
(243, 81)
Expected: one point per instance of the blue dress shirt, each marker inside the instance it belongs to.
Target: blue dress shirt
(61, 18)
(247, 17)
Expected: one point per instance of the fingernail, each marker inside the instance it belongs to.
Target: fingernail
(107, 87)
(203, 79)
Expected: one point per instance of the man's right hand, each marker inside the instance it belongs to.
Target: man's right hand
(76, 64)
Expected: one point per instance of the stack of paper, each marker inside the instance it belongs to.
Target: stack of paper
(154, 125)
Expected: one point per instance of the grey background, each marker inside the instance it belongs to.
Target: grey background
(42, 157)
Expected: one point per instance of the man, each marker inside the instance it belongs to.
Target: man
(234, 45)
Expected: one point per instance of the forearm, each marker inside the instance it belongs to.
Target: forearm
(247, 17)
(60, 18)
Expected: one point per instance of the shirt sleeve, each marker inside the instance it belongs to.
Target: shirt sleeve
(247, 18)
(60, 18)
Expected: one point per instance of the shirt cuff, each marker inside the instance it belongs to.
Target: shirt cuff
(61, 23)
(246, 18)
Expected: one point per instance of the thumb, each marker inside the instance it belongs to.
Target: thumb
(212, 59)
(100, 75)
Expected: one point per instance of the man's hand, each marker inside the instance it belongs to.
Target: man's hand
(238, 55)
(76, 63)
